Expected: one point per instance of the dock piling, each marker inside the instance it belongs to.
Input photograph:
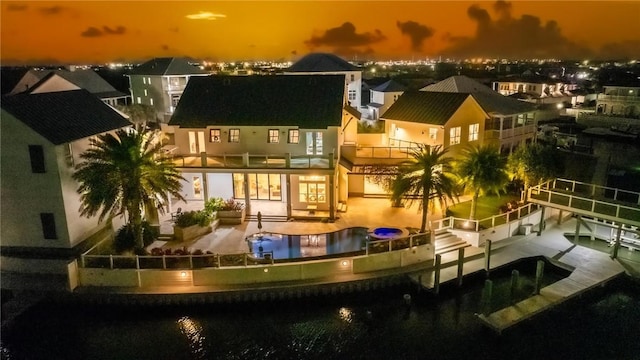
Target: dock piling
(539, 273)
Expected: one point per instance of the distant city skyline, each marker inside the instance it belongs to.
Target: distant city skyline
(85, 32)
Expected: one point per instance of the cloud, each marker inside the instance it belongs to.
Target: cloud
(294, 52)
(165, 47)
(509, 37)
(17, 7)
(345, 36)
(205, 15)
(174, 29)
(416, 32)
(629, 49)
(52, 10)
(95, 32)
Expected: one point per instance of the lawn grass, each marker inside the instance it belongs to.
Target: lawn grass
(487, 206)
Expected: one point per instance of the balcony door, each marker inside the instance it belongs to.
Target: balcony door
(314, 143)
(261, 186)
(196, 142)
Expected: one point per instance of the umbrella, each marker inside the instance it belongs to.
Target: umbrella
(259, 221)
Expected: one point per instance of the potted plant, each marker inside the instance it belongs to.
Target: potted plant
(191, 224)
(231, 213)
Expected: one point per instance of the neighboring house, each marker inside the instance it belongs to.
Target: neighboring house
(382, 97)
(40, 81)
(329, 64)
(160, 82)
(511, 121)
(274, 138)
(536, 89)
(42, 137)
(619, 99)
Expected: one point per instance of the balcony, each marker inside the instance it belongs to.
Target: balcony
(255, 161)
(619, 98)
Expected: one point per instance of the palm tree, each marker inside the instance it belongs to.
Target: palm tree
(483, 169)
(122, 173)
(534, 163)
(427, 176)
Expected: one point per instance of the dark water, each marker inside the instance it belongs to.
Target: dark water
(605, 324)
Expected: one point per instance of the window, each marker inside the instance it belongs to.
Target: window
(48, 226)
(149, 80)
(473, 132)
(274, 136)
(433, 133)
(454, 136)
(312, 189)
(139, 100)
(352, 95)
(68, 155)
(144, 80)
(151, 101)
(146, 93)
(234, 135)
(529, 120)
(294, 136)
(214, 135)
(353, 77)
(36, 153)
(520, 120)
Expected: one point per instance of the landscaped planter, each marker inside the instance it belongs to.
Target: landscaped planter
(190, 232)
(230, 217)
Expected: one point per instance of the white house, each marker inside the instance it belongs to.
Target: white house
(42, 137)
(382, 97)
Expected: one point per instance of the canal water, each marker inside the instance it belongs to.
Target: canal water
(603, 324)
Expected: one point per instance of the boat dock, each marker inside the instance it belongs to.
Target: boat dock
(591, 268)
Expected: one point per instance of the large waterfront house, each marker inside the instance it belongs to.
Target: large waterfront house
(329, 64)
(536, 89)
(42, 136)
(275, 138)
(39, 81)
(619, 100)
(160, 82)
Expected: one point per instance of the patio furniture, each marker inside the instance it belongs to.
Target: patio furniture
(175, 215)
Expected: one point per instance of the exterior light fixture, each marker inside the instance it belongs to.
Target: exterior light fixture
(266, 270)
(183, 274)
(344, 263)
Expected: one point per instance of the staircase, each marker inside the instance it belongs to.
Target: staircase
(266, 218)
(447, 242)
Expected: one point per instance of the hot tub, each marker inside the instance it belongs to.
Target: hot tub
(386, 233)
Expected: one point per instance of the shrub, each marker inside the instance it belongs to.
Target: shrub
(232, 205)
(190, 218)
(125, 238)
(213, 205)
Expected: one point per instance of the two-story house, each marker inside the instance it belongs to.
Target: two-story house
(38, 81)
(382, 97)
(329, 64)
(271, 138)
(42, 137)
(619, 99)
(160, 82)
(510, 122)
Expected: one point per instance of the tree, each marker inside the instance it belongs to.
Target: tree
(426, 177)
(535, 163)
(140, 114)
(122, 173)
(484, 170)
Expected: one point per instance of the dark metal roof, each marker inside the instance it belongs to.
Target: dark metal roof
(84, 79)
(389, 86)
(352, 111)
(64, 116)
(307, 101)
(167, 66)
(425, 107)
(321, 62)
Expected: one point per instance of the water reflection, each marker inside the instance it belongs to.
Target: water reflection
(192, 330)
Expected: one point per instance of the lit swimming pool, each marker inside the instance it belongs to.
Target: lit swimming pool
(284, 246)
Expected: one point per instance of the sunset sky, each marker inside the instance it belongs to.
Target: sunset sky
(104, 31)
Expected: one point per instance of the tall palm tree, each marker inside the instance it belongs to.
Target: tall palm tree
(121, 173)
(484, 170)
(426, 177)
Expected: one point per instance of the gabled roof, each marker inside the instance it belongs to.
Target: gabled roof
(352, 111)
(307, 101)
(84, 79)
(425, 107)
(321, 62)
(458, 84)
(491, 101)
(167, 66)
(64, 116)
(389, 86)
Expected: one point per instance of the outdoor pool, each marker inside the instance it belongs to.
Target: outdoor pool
(283, 246)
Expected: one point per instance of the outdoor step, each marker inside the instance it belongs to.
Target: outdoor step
(447, 240)
(452, 248)
(267, 218)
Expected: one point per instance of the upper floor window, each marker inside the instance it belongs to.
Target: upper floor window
(68, 154)
(151, 101)
(36, 153)
(274, 136)
(234, 135)
(139, 100)
(48, 226)
(473, 132)
(149, 80)
(353, 77)
(433, 133)
(454, 135)
(352, 95)
(294, 136)
(214, 135)
(146, 93)
(144, 80)
(520, 120)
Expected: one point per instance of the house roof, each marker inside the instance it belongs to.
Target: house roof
(491, 101)
(64, 116)
(84, 79)
(352, 111)
(425, 107)
(389, 86)
(321, 62)
(308, 101)
(167, 66)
